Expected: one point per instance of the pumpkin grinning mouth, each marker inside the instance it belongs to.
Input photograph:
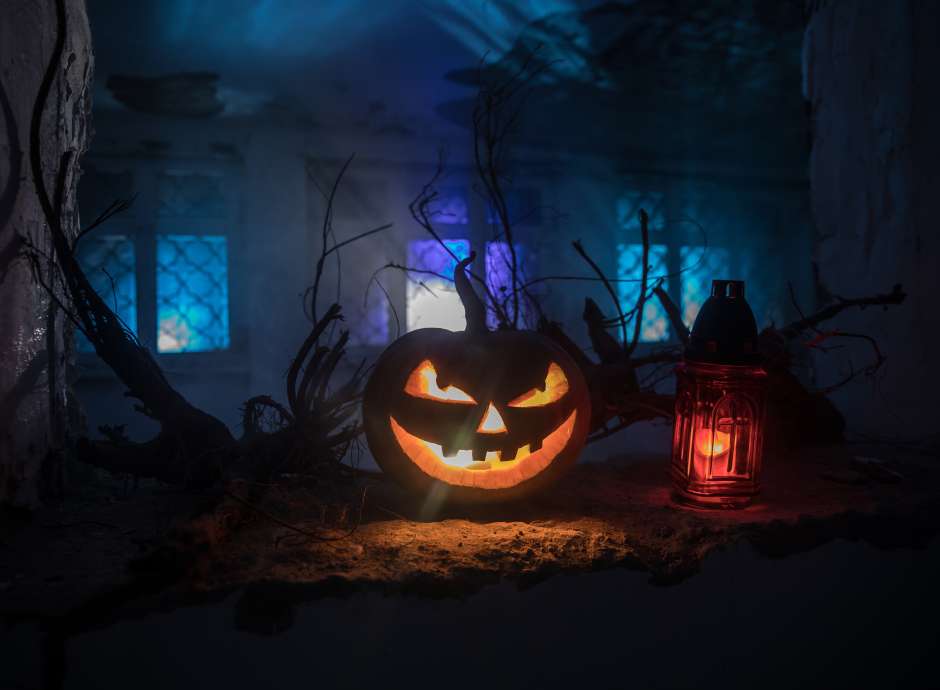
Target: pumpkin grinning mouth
(500, 471)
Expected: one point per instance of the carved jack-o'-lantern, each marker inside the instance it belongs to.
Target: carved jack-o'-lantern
(484, 415)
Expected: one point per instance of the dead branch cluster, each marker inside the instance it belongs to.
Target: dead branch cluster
(192, 447)
(310, 435)
(624, 384)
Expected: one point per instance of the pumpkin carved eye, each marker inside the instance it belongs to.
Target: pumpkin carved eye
(422, 383)
(556, 385)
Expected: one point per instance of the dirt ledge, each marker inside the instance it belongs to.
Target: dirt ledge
(603, 515)
(614, 514)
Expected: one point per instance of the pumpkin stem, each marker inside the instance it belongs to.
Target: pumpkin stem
(473, 306)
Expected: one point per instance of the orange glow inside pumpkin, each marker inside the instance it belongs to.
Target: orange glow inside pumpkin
(712, 443)
(556, 386)
(422, 383)
(493, 472)
(492, 422)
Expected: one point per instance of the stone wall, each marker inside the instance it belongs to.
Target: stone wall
(870, 77)
(33, 411)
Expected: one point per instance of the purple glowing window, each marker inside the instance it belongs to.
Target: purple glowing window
(431, 300)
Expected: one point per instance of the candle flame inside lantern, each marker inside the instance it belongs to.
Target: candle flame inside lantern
(712, 443)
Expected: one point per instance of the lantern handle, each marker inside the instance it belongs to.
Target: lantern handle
(473, 306)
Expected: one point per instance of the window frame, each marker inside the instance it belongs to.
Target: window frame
(142, 223)
(674, 234)
(384, 178)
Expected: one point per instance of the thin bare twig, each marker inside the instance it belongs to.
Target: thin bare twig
(388, 300)
(116, 207)
(310, 536)
(896, 296)
(672, 311)
(641, 298)
(326, 231)
(579, 248)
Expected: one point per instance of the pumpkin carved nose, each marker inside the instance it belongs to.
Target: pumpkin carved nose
(492, 422)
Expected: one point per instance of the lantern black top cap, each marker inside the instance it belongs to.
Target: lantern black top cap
(724, 331)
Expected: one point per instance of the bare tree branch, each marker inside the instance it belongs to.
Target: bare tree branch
(641, 299)
(579, 248)
(672, 311)
(896, 296)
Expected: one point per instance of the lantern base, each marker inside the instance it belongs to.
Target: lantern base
(711, 502)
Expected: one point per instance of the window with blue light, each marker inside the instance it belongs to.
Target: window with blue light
(431, 298)
(627, 207)
(192, 293)
(655, 325)
(700, 265)
(168, 279)
(109, 263)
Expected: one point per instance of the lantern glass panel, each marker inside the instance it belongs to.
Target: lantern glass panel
(717, 438)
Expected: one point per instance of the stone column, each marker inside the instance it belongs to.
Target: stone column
(34, 340)
(870, 75)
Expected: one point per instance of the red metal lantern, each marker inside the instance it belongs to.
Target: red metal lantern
(720, 405)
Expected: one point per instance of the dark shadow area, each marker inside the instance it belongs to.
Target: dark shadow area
(813, 620)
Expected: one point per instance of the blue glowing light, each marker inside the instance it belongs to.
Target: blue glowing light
(499, 277)
(655, 325)
(431, 300)
(192, 293)
(429, 255)
(493, 28)
(226, 28)
(700, 266)
(109, 264)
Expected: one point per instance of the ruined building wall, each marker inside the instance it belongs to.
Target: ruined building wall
(870, 78)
